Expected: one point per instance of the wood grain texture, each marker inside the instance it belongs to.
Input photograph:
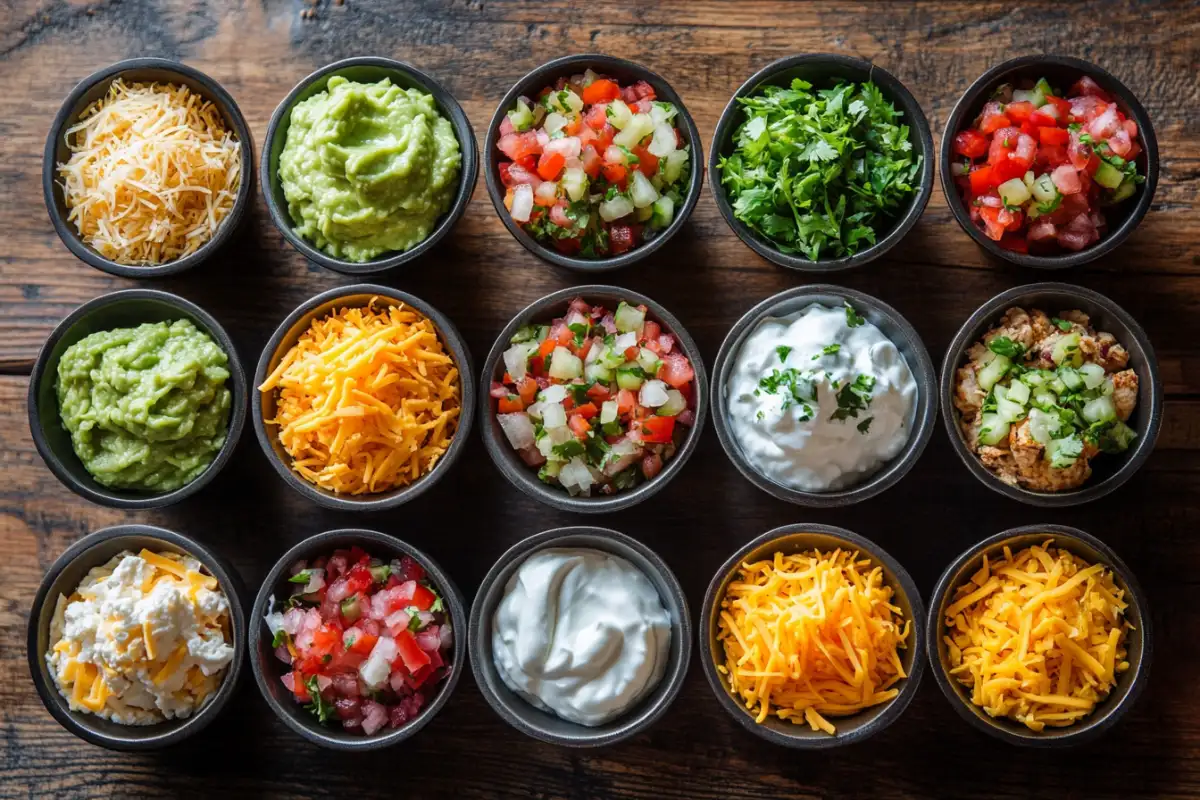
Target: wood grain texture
(260, 48)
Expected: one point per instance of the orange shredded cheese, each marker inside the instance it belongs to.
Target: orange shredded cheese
(367, 400)
(1038, 637)
(810, 636)
(152, 173)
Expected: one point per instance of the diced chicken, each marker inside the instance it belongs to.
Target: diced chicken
(1125, 391)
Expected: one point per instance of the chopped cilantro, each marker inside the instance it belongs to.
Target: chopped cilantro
(830, 349)
(301, 577)
(783, 351)
(281, 638)
(568, 449)
(865, 425)
(1004, 346)
(854, 397)
(580, 329)
(853, 318)
(1062, 324)
(318, 706)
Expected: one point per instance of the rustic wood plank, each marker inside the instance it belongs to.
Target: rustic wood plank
(258, 50)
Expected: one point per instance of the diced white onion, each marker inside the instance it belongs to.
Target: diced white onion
(653, 393)
(522, 204)
(517, 428)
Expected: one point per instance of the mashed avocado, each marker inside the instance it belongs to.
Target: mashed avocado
(368, 168)
(147, 407)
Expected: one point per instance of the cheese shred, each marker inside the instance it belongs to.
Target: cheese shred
(1038, 637)
(367, 400)
(152, 173)
(811, 636)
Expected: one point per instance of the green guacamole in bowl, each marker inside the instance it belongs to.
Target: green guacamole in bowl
(147, 407)
(368, 168)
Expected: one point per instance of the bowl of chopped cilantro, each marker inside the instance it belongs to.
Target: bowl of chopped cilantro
(821, 162)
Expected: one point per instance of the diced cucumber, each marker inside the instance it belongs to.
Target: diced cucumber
(1034, 95)
(1124, 191)
(1117, 438)
(675, 404)
(1071, 378)
(612, 357)
(1057, 386)
(565, 365)
(993, 371)
(351, 609)
(1043, 426)
(663, 142)
(1062, 453)
(674, 164)
(641, 192)
(618, 114)
(1045, 400)
(1009, 411)
(664, 212)
(521, 117)
(1044, 87)
(629, 318)
(597, 372)
(554, 122)
(649, 361)
(630, 377)
(993, 429)
(1106, 388)
(567, 101)
(526, 334)
(1028, 179)
(1066, 351)
(1093, 375)
(643, 214)
(638, 128)
(1014, 192)
(1108, 176)
(1018, 392)
(608, 411)
(1099, 410)
(1044, 189)
(380, 572)
(575, 183)
(614, 209)
(1034, 377)
(549, 471)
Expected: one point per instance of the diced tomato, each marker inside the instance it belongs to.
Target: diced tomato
(1050, 156)
(363, 643)
(657, 429)
(1029, 129)
(599, 392)
(561, 334)
(294, 682)
(971, 144)
(1062, 107)
(604, 137)
(620, 238)
(423, 598)
(601, 90)
(410, 653)
(573, 126)
(993, 119)
(551, 165)
(1008, 168)
(510, 404)
(1043, 120)
(993, 228)
(1003, 143)
(596, 117)
(1019, 111)
(647, 162)
(625, 401)
(358, 579)
(1053, 135)
(587, 410)
(676, 370)
(651, 330)
(579, 425)
(982, 180)
(518, 145)
(592, 162)
(1088, 87)
(527, 389)
(616, 173)
(644, 91)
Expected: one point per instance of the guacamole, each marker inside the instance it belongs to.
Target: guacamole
(147, 407)
(368, 168)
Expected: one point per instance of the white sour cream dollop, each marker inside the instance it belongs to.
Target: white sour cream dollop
(790, 428)
(580, 633)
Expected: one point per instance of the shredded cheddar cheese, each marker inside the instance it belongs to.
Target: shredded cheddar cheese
(810, 636)
(367, 400)
(152, 173)
(1038, 637)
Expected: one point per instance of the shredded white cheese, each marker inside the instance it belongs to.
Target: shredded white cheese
(152, 173)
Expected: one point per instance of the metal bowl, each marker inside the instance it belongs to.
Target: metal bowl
(892, 325)
(1063, 70)
(821, 69)
(289, 332)
(93, 88)
(65, 575)
(268, 669)
(524, 477)
(1139, 643)
(546, 726)
(122, 309)
(366, 69)
(625, 72)
(1109, 471)
(798, 538)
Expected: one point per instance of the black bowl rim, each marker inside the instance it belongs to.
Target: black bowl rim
(237, 412)
(886, 476)
(77, 724)
(1094, 725)
(220, 97)
(539, 76)
(552, 496)
(651, 709)
(1108, 81)
(458, 619)
(988, 313)
(393, 497)
(904, 584)
(468, 170)
(918, 125)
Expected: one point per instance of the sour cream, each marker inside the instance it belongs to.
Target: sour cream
(580, 633)
(817, 405)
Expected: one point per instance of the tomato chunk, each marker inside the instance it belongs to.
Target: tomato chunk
(971, 144)
(658, 429)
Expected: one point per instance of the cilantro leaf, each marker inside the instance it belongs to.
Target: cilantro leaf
(853, 318)
(783, 351)
(854, 397)
(865, 426)
(319, 707)
(1004, 346)
(1062, 324)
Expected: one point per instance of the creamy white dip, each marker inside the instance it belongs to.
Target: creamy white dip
(817, 405)
(580, 633)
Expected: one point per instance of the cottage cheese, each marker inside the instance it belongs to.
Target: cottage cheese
(144, 638)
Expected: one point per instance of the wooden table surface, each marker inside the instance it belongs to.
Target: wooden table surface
(480, 277)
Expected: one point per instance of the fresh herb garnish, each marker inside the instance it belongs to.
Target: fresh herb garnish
(580, 329)
(626, 478)
(830, 349)
(1067, 451)
(783, 351)
(281, 638)
(854, 397)
(794, 385)
(819, 171)
(302, 576)
(1004, 346)
(1062, 324)
(865, 425)
(319, 707)
(853, 318)
(1051, 205)
(568, 449)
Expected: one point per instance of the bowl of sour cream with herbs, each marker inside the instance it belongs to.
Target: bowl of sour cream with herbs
(824, 396)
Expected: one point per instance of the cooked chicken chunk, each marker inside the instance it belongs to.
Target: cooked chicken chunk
(1125, 391)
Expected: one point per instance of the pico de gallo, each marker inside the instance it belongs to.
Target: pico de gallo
(1037, 168)
(596, 400)
(366, 641)
(595, 168)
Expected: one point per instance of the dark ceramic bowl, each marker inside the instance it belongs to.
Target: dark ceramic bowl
(1061, 71)
(524, 477)
(122, 309)
(1109, 471)
(366, 69)
(93, 88)
(892, 325)
(547, 727)
(625, 72)
(62, 579)
(1139, 642)
(289, 332)
(268, 669)
(822, 70)
(798, 538)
